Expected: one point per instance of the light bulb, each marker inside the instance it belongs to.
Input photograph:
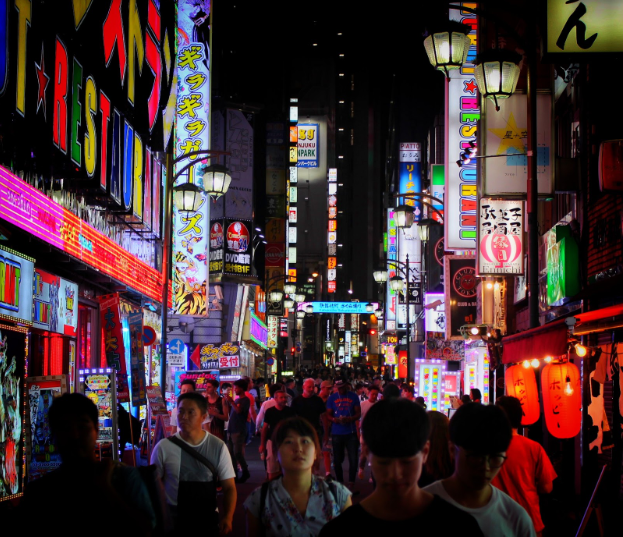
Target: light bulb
(548, 359)
(489, 285)
(580, 350)
(496, 286)
(526, 364)
(568, 387)
(474, 330)
(535, 363)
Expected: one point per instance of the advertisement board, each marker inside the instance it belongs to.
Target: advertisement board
(199, 377)
(307, 145)
(460, 293)
(410, 174)
(500, 236)
(55, 304)
(16, 286)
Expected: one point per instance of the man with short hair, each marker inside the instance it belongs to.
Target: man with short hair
(480, 436)
(273, 416)
(311, 407)
(343, 411)
(527, 471)
(237, 428)
(186, 386)
(395, 432)
(189, 484)
(407, 391)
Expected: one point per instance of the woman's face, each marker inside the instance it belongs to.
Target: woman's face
(296, 452)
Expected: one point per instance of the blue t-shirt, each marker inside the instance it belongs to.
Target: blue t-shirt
(342, 406)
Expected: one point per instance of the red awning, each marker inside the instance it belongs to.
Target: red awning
(603, 313)
(546, 340)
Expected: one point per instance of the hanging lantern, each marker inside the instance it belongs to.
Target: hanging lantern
(448, 49)
(497, 72)
(187, 197)
(521, 383)
(404, 216)
(562, 399)
(216, 180)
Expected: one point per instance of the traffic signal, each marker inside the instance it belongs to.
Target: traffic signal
(372, 331)
(292, 351)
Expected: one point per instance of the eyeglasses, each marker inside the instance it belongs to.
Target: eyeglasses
(477, 459)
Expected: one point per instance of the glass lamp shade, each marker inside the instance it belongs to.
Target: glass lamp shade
(187, 197)
(300, 314)
(300, 298)
(404, 215)
(309, 308)
(424, 226)
(497, 73)
(396, 283)
(276, 295)
(216, 180)
(288, 303)
(448, 49)
(369, 307)
(378, 312)
(380, 276)
(289, 288)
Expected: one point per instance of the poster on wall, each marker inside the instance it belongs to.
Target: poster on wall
(460, 293)
(500, 236)
(41, 454)
(13, 356)
(16, 285)
(100, 387)
(55, 306)
(114, 348)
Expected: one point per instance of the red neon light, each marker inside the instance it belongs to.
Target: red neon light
(31, 210)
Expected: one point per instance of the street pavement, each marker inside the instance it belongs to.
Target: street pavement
(258, 476)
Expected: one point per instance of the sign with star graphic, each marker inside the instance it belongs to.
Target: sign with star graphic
(505, 133)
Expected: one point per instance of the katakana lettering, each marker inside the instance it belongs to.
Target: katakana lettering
(189, 146)
(189, 104)
(192, 224)
(195, 81)
(189, 56)
(195, 128)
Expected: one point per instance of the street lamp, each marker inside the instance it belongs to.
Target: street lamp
(288, 303)
(380, 276)
(497, 73)
(424, 226)
(396, 283)
(309, 309)
(187, 197)
(404, 215)
(216, 180)
(300, 298)
(289, 289)
(276, 295)
(378, 312)
(369, 307)
(300, 314)
(448, 49)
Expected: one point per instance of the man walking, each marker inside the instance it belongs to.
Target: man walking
(373, 396)
(238, 427)
(343, 410)
(189, 464)
(313, 409)
(272, 417)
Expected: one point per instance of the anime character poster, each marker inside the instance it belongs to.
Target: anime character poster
(13, 351)
(41, 454)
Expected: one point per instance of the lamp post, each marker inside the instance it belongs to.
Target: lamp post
(187, 198)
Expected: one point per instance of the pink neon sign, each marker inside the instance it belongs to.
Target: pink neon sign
(31, 210)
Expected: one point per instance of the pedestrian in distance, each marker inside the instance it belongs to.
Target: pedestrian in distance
(189, 464)
(298, 503)
(326, 388)
(238, 416)
(480, 436)
(395, 432)
(527, 471)
(218, 410)
(273, 416)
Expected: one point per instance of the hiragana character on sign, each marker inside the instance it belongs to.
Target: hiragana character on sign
(188, 105)
(189, 57)
(192, 223)
(580, 28)
(195, 81)
(195, 128)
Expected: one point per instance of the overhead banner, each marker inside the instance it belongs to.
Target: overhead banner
(307, 145)
(462, 116)
(500, 236)
(460, 293)
(410, 173)
(506, 133)
(338, 307)
(114, 348)
(392, 254)
(55, 305)
(16, 286)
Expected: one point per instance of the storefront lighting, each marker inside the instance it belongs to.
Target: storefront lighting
(475, 330)
(447, 49)
(489, 285)
(535, 363)
(580, 350)
(526, 364)
(548, 359)
(568, 387)
(497, 72)
(496, 286)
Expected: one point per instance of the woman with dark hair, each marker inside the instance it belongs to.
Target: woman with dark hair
(439, 463)
(298, 502)
(475, 395)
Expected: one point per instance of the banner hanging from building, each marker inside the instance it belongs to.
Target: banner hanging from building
(137, 359)
(500, 236)
(55, 306)
(443, 349)
(114, 348)
(460, 293)
(410, 172)
(462, 116)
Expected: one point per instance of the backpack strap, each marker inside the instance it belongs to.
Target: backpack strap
(195, 454)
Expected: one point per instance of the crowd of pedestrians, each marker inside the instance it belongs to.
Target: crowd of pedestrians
(473, 474)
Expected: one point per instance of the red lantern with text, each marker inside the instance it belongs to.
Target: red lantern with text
(562, 399)
(402, 364)
(521, 383)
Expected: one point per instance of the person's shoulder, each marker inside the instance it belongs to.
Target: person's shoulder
(436, 488)
(350, 520)
(456, 519)
(508, 505)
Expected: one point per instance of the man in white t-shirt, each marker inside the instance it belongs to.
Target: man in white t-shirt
(189, 484)
(187, 386)
(481, 435)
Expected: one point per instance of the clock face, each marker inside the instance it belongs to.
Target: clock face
(464, 282)
(439, 251)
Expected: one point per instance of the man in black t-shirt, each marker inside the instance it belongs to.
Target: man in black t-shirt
(309, 405)
(273, 416)
(395, 433)
(237, 428)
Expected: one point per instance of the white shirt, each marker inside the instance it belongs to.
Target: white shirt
(175, 465)
(501, 517)
(365, 406)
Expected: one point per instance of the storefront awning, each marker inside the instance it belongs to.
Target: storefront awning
(547, 340)
(599, 320)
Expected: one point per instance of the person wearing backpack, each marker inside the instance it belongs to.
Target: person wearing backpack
(298, 502)
(189, 464)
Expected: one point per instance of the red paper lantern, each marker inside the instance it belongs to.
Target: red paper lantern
(402, 364)
(521, 383)
(562, 399)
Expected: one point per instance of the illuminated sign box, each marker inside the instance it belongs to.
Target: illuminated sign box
(337, 307)
(16, 286)
(259, 332)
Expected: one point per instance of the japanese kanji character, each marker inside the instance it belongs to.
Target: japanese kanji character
(109, 316)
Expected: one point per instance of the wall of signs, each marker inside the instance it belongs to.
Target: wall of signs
(500, 236)
(460, 293)
(55, 306)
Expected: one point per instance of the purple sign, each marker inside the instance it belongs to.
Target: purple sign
(259, 332)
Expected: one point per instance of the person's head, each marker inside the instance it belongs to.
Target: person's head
(192, 410)
(420, 401)
(480, 435)
(465, 399)
(359, 388)
(309, 387)
(296, 444)
(390, 391)
(439, 462)
(326, 387)
(211, 386)
(373, 394)
(342, 387)
(74, 425)
(187, 386)
(290, 383)
(512, 407)
(240, 386)
(281, 398)
(225, 387)
(406, 391)
(395, 432)
(475, 394)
